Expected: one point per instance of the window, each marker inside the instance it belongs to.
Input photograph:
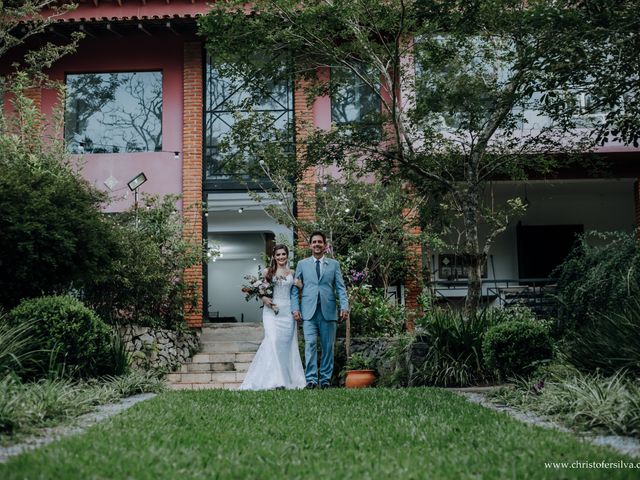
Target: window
(353, 100)
(113, 112)
(460, 81)
(228, 98)
(589, 113)
(454, 267)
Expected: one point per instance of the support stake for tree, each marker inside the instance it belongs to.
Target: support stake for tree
(347, 337)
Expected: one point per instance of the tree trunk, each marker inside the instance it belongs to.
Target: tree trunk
(474, 291)
(473, 254)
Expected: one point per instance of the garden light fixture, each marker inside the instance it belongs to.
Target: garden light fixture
(136, 181)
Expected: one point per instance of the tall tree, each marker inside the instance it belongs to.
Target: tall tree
(602, 65)
(21, 22)
(458, 84)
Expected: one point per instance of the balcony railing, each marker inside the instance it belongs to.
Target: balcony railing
(535, 293)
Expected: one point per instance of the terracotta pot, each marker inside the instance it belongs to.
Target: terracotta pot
(360, 378)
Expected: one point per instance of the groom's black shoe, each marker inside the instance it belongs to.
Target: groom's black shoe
(310, 386)
(324, 386)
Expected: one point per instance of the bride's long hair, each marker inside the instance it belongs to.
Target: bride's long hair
(273, 266)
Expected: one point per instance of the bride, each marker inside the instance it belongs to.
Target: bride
(277, 362)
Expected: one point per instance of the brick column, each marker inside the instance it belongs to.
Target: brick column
(413, 282)
(306, 188)
(192, 134)
(35, 95)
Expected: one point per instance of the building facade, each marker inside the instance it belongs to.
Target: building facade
(142, 97)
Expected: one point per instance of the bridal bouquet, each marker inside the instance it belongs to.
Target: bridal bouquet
(258, 287)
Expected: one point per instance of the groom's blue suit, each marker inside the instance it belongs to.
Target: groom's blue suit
(319, 313)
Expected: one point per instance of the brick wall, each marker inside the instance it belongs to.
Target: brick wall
(192, 135)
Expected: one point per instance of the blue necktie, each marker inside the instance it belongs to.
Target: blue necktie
(318, 268)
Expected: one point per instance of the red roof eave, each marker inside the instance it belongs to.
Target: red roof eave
(134, 10)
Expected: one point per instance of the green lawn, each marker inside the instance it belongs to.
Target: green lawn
(331, 434)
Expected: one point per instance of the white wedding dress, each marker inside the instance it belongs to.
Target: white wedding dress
(277, 362)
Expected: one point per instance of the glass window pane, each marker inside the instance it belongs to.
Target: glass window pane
(114, 112)
(224, 102)
(352, 99)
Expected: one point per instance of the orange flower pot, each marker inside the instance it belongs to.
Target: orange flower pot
(360, 378)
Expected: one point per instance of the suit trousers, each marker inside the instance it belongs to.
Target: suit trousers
(318, 327)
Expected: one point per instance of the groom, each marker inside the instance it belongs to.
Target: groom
(322, 279)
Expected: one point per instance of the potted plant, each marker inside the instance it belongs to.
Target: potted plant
(359, 371)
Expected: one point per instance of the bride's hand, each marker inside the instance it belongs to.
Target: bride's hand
(298, 283)
(267, 301)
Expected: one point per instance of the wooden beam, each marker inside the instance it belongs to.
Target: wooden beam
(170, 28)
(141, 27)
(112, 30)
(95, 3)
(57, 33)
(85, 31)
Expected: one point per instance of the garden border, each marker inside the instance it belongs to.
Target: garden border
(79, 425)
(625, 445)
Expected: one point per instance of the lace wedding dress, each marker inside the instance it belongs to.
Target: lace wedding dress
(277, 362)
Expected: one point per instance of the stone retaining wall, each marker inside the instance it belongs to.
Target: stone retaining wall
(159, 348)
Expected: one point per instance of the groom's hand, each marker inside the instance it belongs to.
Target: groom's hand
(344, 314)
(296, 316)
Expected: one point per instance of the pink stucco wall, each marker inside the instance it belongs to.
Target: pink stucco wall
(139, 53)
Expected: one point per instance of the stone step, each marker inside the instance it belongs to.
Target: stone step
(223, 357)
(230, 346)
(208, 367)
(206, 377)
(232, 332)
(242, 367)
(205, 386)
(214, 367)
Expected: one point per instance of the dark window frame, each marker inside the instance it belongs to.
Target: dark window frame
(215, 178)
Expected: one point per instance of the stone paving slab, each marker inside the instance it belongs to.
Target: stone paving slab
(626, 445)
(80, 424)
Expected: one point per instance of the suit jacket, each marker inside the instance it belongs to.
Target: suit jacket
(326, 287)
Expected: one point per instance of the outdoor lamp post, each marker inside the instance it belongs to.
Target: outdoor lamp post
(133, 185)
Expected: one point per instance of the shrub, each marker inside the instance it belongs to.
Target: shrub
(372, 315)
(137, 381)
(53, 233)
(597, 278)
(121, 359)
(50, 401)
(454, 357)
(359, 362)
(515, 346)
(586, 402)
(609, 342)
(20, 349)
(81, 340)
(145, 285)
(395, 368)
